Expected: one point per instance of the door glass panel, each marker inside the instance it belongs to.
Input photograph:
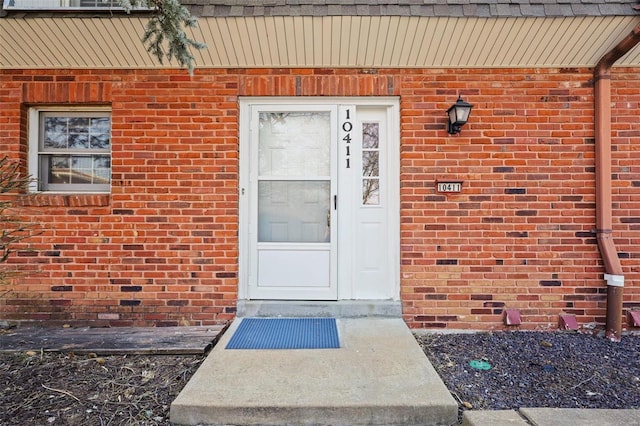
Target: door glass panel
(370, 135)
(294, 170)
(294, 144)
(371, 192)
(370, 163)
(294, 211)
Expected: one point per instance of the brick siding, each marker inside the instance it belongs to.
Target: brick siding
(162, 247)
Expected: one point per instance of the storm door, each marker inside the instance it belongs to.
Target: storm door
(293, 189)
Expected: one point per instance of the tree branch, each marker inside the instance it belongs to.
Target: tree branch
(164, 35)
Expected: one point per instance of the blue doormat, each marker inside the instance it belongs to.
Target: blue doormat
(285, 333)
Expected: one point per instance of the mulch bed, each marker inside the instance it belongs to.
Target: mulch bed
(45, 388)
(509, 370)
(526, 369)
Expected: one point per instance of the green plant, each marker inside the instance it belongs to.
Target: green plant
(164, 34)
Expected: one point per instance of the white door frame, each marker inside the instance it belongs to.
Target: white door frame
(391, 106)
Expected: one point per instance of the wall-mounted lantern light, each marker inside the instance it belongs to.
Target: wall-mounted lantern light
(458, 115)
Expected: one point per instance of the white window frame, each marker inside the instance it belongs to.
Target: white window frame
(66, 5)
(35, 151)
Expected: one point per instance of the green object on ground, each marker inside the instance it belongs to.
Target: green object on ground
(480, 364)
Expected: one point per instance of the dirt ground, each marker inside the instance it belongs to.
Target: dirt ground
(511, 370)
(41, 388)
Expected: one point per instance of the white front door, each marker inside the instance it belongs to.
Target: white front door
(318, 201)
(293, 181)
(366, 193)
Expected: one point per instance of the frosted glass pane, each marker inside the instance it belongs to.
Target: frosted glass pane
(294, 144)
(293, 211)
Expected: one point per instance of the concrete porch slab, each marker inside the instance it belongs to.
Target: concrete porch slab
(337, 309)
(379, 376)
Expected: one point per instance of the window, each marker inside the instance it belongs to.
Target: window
(371, 163)
(70, 151)
(97, 3)
(64, 4)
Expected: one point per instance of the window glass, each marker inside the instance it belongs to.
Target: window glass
(61, 4)
(294, 163)
(294, 144)
(371, 163)
(294, 211)
(74, 151)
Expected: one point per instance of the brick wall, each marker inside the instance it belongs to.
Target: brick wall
(162, 248)
(626, 179)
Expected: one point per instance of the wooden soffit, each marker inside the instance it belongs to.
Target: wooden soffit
(324, 41)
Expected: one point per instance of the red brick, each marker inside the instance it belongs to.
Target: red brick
(175, 165)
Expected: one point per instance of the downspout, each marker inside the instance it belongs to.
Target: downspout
(602, 98)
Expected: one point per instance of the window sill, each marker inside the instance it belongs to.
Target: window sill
(64, 200)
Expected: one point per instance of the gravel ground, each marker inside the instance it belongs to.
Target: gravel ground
(537, 369)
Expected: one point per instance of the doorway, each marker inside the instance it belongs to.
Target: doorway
(319, 199)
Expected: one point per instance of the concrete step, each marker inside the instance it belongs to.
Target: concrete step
(338, 309)
(379, 376)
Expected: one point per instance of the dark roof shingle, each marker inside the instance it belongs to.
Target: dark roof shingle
(454, 8)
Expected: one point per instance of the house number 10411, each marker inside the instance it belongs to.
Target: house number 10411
(347, 127)
(449, 186)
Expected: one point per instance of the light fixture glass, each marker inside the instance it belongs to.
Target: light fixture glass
(458, 115)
